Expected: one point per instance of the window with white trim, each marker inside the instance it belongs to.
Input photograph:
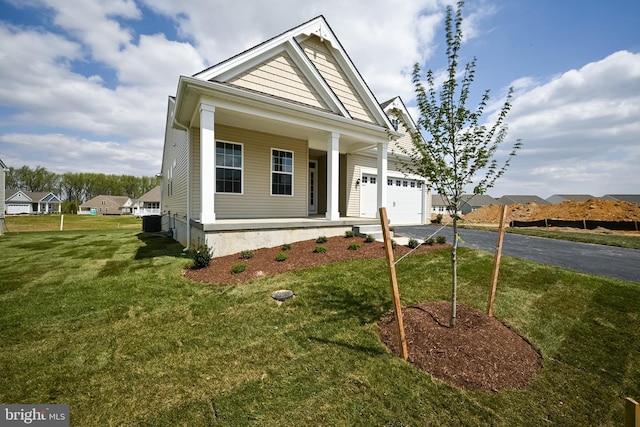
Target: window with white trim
(281, 172)
(228, 167)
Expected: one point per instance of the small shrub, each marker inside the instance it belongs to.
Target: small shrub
(369, 238)
(321, 239)
(413, 243)
(349, 234)
(441, 239)
(439, 219)
(281, 257)
(430, 241)
(394, 244)
(320, 249)
(246, 254)
(354, 246)
(238, 267)
(201, 255)
(286, 247)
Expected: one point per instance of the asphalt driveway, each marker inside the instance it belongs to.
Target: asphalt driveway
(608, 261)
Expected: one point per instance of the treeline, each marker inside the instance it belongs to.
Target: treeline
(76, 188)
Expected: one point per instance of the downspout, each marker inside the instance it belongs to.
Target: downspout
(186, 129)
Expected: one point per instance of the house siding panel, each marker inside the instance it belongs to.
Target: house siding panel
(174, 170)
(257, 176)
(329, 68)
(281, 77)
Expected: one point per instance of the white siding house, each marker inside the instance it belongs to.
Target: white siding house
(282, 142)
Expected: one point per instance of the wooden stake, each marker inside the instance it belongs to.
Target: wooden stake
(394, 282)
(632, 413)
(496, 260)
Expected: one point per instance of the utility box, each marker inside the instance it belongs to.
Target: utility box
(152, 223)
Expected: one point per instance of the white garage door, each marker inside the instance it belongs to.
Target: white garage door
(18, 208)
(404, 199)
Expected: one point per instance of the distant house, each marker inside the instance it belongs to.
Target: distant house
(439, 206)
(521, 200)
(31, 202)
(3, 171)
(631, 198)
(559, 198)
(107, 205)
(148, 203)
(471, 202)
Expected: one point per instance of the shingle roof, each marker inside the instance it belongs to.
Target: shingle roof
(521, 200)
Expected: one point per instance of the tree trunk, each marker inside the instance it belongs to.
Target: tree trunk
(454, 267)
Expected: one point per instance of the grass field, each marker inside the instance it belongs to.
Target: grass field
(104, 321)
(25, 223)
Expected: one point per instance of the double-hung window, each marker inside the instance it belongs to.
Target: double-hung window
(228, 168)
(281, 172)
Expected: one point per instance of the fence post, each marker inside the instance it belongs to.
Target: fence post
(632, 413)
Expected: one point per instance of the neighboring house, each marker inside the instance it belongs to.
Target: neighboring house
(31, 202)
(521, 200)
(280, 143)
(148, 203)
(439, 206)
(631, 198)
(559, 198)
(471, 202)
(3, 172)
(107, 205)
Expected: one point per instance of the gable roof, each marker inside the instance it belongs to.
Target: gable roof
(316, 65)
(152, 195)
(396, 104)
(119, 201)
(571, 197)
(3, 166)
(631, 198)
(521, 200)
(33, 196)
(475, 200)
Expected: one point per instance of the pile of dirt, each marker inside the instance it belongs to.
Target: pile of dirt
(592, 209)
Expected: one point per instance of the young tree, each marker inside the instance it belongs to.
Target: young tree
(452, 146)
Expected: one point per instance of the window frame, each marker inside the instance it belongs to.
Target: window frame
(272, 172)
(241, 168)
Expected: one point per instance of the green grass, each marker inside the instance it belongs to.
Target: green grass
(25, 223)
(623, 241)
(105, 322)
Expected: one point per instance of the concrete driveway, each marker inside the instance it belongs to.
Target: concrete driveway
(608, 261)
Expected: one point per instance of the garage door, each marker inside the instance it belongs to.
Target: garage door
(19, 208)
(404, 199)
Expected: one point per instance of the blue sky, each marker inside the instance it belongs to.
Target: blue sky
(84, 83)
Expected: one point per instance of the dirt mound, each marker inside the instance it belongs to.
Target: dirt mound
(592, 209)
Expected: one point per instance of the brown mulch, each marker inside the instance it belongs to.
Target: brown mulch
(301, 255)
(480, 353)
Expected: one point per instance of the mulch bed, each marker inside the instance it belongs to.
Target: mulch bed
(480, 353)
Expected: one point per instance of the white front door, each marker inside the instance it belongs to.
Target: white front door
(313, 188)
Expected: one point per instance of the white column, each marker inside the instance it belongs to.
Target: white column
(333, 176)
(207, 164)
(382, 176)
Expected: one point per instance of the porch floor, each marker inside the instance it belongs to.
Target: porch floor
(286, 223)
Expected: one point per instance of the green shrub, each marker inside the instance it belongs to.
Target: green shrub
(281, 257)
(238, 267)
(320, 249)
(201, 255)
(439, 219)
(321, 239)
(354, 246)
(246, 254)
(369, 238)
(286, 247)
(394, 244)
(413, 243)
(441, 239)
(430, 241)
(349, 234)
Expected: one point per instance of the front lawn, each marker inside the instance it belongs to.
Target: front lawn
(105, 322)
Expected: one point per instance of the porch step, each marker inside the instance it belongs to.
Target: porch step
(365, 230)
